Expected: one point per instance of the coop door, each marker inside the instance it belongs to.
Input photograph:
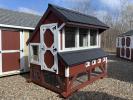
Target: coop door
(48, 35)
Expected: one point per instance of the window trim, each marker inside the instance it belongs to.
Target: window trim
(77, 47)
(31, 53)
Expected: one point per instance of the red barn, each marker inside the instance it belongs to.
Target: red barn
(124, 45)
(65, 52)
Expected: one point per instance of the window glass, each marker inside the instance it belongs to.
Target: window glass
(83, 37)
(93, 37)
(35, 53)
(70, 37)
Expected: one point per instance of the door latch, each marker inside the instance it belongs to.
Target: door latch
(55, 49)
(22, 50)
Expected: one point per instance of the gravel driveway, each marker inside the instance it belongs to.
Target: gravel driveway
(118, 86)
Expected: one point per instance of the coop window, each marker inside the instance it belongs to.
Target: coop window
(93, 37)
(70, 37)
(83, 37)
(34, 53)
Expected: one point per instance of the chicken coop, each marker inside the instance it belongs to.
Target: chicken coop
(124, 45)
(65, 53)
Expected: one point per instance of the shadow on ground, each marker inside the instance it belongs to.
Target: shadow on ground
(120, 69)
(26, 76)
(84, 95)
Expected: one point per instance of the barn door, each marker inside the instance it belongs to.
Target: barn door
(126, 47)
(48, 35)
(11, 50)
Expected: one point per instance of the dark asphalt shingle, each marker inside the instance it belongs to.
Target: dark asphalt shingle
(74, 16)
(77, 57)
(15, 18)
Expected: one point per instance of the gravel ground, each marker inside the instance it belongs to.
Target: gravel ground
(118, 86)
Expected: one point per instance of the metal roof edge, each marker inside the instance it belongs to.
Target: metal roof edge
(18, 27)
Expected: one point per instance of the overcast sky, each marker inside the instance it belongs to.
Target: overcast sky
(39, 6)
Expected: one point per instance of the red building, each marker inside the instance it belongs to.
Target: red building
(65, 52)
(124, 45)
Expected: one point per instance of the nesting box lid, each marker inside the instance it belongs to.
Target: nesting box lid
(77, 57)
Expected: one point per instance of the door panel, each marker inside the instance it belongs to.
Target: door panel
(10, 40)
(10, 50)
(48, 48)
(10, 61)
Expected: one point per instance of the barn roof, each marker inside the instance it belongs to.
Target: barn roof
(8, 17)
(77, 57)
(74, 16)
(129, 33)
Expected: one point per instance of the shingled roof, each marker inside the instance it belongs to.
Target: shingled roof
(72, 58)
(129, 33)
(8, 17)
(74, 16)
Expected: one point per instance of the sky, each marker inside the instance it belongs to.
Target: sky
(101, 7)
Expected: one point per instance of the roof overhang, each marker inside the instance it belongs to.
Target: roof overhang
(17, 27)
(72, 58)
(85, 25)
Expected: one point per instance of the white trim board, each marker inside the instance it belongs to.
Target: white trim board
(9, 51)
(0, 53)
(19, 27)
(12, 73)
(22, 59)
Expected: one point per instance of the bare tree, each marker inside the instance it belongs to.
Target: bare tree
(120, 21)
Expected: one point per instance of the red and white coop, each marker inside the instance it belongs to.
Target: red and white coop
(124, 45)
(65, 52)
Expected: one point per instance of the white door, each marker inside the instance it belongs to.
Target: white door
(48, 49)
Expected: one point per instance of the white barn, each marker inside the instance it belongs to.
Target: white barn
(124, 45)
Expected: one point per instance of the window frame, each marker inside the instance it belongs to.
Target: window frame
(77, 47)
(75, 40)
(31, 53)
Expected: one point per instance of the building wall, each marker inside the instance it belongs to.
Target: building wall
(26, 49)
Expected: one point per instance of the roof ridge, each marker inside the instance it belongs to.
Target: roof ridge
(19, 12)
(74, 11)
(126, 33)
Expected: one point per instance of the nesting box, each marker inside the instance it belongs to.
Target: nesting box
(124, 45)
(65, 52)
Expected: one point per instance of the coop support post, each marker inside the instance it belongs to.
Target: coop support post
(106, 64)
(89, 74)
(67, 83)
